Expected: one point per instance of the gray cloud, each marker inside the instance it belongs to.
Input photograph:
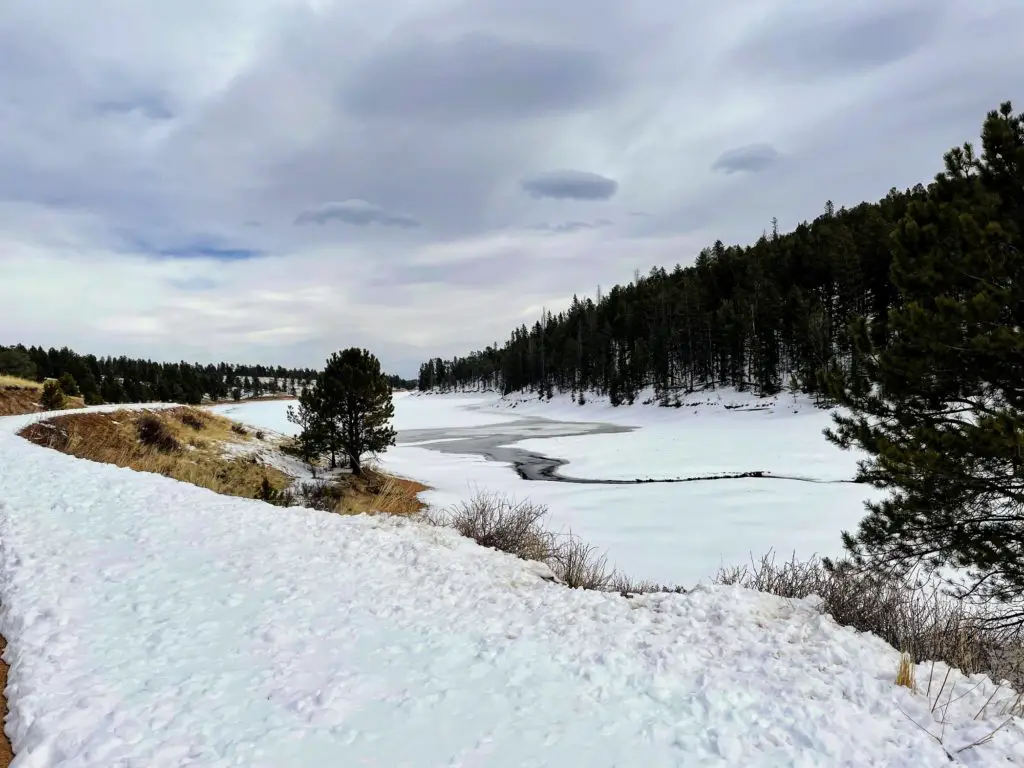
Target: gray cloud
(752, 157)
(476, 76)
(358, 212)
(859, 37)
(434, 112)
(570, 185)
(571, 226)
(150, 107)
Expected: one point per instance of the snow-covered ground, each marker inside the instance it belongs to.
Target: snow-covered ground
(153, 623)
(670, 533)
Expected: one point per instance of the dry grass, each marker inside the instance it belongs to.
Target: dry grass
(20, 396)
(373, 492)
(377, 492)
(185, 446)
(15, 382)
(905, 672)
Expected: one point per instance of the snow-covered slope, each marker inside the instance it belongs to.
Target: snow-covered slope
(152, 623)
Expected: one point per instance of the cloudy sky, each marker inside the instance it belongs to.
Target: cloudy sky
(272, 180)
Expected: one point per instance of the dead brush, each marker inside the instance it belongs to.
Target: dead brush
(153, 432)
(579, 566)
(517, 527)
(499, 522)
(190, 417)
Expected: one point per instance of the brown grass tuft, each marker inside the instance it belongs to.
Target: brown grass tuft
(114, 438)
(905, 673)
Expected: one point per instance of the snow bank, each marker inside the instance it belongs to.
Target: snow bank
(153, 623)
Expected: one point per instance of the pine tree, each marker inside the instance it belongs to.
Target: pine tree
(52, 397)
(354, 406)
(68, 385)
(940, 409)
(312, 438)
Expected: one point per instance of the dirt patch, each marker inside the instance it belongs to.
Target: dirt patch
(183, 443)
(6, 753)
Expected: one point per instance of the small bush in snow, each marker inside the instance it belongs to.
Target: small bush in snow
(238, 429)
(499, 522)
(579, 566)
(517, 527)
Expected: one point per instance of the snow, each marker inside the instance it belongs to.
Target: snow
(710, 434)
(153, 623)
(411, 412)
(678, 533)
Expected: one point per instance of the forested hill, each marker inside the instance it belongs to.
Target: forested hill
(746, 316)
(123, 379)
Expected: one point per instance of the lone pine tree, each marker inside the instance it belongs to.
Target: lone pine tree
(52, 396)
(347, 411)
(940, 408)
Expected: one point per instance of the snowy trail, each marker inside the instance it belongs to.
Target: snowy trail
(152, 623)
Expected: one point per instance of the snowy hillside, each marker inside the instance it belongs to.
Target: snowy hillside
(153, 623)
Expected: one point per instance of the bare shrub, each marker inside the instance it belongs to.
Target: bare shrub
(579, 566)
(238, 429)
(627, 587)
(260, 434)
(517, 527)
(916, 617)
(499, 522)
(155, 434)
